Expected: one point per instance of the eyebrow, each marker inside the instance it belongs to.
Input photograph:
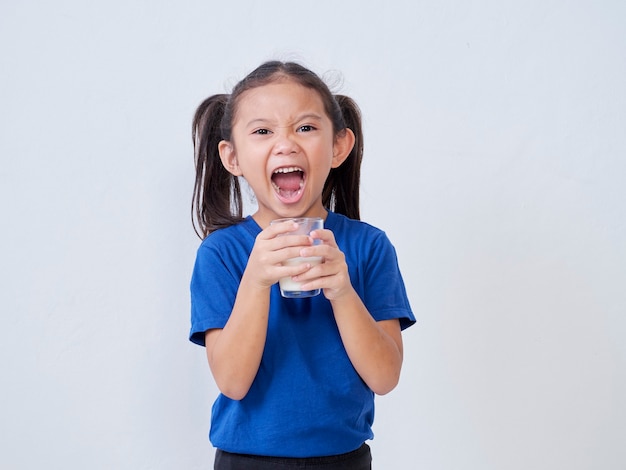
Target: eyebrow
(300, 118)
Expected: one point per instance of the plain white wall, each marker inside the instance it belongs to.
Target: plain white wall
(495, 159)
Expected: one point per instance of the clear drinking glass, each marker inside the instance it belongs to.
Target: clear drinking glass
(288, 287)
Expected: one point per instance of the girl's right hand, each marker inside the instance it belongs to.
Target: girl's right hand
(271, 248)
(234, 368)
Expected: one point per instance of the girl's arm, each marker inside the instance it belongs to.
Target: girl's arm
(374, 348)
(234, 352)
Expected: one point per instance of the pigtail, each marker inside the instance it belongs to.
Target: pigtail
(341, 190)
(216, 199)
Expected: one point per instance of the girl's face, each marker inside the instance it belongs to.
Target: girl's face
(283, 144)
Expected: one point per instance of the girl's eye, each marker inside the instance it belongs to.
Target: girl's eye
(306, 128)
(261, 132)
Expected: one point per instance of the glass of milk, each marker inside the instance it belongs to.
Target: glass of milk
(288, 287)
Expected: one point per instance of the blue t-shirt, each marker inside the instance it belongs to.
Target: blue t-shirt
(307, 399)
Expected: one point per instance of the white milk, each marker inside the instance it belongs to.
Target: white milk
(288, 285)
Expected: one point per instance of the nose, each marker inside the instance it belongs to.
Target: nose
(285, 143)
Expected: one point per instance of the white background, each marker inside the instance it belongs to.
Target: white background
(495, 160)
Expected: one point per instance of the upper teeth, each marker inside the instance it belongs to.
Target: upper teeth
(290, 169)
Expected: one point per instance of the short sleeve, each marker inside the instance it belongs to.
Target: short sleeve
(384, 291)
(213, 291)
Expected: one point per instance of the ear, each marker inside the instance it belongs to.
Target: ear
(342, 147)
(229, 157)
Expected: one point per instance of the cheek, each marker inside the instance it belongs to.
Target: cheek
(249, 155)
(324, 150)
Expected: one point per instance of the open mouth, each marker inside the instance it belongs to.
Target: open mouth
(288, 182)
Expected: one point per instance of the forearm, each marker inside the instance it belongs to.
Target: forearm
(374, 348)
(235, 352)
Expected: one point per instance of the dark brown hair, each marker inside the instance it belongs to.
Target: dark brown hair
(217, 201)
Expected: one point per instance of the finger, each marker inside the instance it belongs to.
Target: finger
(325, 236)
(274, 230)
(283, 232)
(326, 251)
(296, 270)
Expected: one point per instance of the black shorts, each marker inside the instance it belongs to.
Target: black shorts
(360, 459)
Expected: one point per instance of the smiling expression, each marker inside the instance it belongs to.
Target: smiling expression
(284, 145)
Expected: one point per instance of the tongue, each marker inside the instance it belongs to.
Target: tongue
(288, 181)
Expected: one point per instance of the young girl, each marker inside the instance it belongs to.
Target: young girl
(297, 376)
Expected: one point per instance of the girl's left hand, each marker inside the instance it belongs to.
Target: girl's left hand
(374, 347)
(332, 275)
